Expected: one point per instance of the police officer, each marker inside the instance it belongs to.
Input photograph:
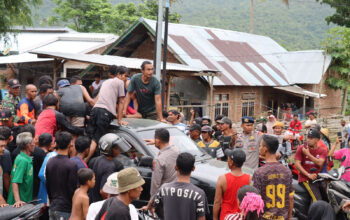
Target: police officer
(249, 141)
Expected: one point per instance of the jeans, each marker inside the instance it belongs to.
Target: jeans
(57, 215)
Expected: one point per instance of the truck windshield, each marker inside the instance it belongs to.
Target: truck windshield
(177, 138)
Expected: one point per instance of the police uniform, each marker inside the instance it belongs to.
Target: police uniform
(250, 145)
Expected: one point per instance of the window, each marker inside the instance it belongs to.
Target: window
(248, 108)
(221, 104)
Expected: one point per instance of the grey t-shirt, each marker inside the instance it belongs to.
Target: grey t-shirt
(180, 200)
(72, 101)
(110, 91)
(145, 92)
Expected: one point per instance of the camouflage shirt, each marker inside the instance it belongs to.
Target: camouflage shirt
(10, 102)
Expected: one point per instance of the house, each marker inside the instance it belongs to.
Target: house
(257, 74)
(27, 67)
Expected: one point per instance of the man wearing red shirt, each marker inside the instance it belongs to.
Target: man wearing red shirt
(295, 125)
(309, 160)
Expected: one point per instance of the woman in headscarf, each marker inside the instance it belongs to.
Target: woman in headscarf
(270, 123)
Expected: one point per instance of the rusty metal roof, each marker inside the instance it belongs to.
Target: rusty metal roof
(108, 60)
(242, 58)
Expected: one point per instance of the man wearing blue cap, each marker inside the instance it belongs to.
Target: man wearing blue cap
(249, 141)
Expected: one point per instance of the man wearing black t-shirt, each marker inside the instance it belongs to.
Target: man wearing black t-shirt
(5, 158)
(181, 199)
(226, 137)
(104, 165)
(61, 178)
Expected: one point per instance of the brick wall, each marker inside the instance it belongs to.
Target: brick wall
(146, 51)
(331, 104)
(235, 99)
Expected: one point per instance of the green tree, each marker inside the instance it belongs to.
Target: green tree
(337, 45)
(102, 16)
(15, 12)
(252, 13)
(82, 15)
(341, 16)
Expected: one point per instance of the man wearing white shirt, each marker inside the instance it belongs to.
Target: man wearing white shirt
(110, 188)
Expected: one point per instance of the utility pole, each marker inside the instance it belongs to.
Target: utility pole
(159, 38)
(251, 16)
(321, 84)
(165, 50)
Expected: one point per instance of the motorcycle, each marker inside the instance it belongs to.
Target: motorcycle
(28, 211)
(338, 191)
(284, 159)
(297, 138)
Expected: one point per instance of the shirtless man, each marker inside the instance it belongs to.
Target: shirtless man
(81, 199)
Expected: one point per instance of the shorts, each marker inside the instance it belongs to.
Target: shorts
(150, 115)
(99, 122)
(76, 121)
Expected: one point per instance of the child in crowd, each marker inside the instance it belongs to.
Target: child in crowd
(81, 199)
(250, 203)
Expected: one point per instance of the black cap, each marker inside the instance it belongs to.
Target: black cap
(195, 127)
(237, 156)
(5, 115)
(13, 83)
(226, 120)
(314, 133)
(218, 117)
(247, 119)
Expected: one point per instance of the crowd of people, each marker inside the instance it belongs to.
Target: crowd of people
(56, 149)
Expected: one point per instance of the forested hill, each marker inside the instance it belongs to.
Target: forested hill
(299, 26)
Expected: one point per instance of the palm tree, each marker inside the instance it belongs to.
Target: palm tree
(286, 2)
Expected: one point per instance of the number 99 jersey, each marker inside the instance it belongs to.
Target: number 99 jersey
(274, 182)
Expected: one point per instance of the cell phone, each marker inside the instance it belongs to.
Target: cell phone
(339, 134)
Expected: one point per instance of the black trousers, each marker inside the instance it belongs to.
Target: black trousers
(99, 122)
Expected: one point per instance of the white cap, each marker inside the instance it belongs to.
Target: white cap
(111, 186)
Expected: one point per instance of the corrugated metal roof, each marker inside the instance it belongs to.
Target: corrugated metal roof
(56, 41)
(242, 58)
(22, 58)
(300, 91)
(305, 67)
(108, 60)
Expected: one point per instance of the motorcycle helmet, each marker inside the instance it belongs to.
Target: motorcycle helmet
(207, 118)
(110, 140)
